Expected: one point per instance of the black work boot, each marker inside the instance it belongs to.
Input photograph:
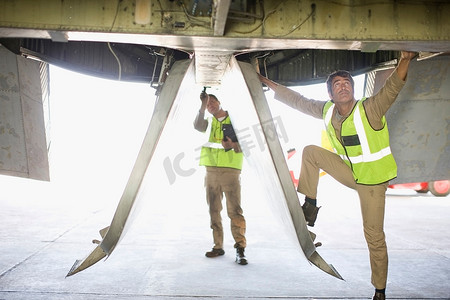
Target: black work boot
(310, 212)
(240, 256)
(215, 252)
(379, 296)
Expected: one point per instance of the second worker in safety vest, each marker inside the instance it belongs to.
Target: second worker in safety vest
(363, 160)
(223, 161)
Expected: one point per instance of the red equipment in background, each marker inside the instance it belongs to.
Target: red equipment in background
(440, 188)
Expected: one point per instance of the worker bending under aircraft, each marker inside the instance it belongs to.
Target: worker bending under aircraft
(363, 160)
(223, 158)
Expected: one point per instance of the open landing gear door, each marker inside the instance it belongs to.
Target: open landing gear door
(24, 117)
(257, 133)
(122, 216)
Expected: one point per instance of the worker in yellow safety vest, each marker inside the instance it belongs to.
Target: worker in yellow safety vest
(363, 161)
(222, 157)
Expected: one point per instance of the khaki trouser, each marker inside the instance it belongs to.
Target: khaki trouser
(226, 181)
(372, 199)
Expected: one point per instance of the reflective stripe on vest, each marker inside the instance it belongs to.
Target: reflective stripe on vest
(366, 156)
(213, 145)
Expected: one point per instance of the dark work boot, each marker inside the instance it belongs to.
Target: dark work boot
(240, 256)
(215, 252)
(310, 212)
(379, 296)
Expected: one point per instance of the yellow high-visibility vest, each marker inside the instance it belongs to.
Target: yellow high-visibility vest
(365, 150)
(213, 154)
